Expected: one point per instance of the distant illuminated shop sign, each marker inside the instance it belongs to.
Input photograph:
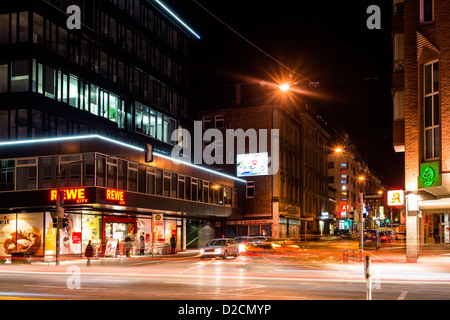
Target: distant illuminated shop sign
(117, 196)
(396, 198)
(73, 195)
(343, 210)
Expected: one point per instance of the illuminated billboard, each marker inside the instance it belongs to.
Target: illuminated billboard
(253, 164)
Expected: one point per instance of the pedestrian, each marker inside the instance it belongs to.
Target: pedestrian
(173, 243)
(89, 253)
(142, 244)
(128, 246)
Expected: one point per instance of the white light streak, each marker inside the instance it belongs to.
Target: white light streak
(178, 19)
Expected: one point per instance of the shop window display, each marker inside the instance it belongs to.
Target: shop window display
(92, 231)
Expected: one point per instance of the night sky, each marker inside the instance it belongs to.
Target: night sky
(325, 41)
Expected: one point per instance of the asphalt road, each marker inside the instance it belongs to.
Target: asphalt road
(313, 273)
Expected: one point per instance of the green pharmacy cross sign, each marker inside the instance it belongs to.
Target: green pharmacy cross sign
(429, 175)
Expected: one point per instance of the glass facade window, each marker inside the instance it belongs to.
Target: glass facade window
(205, 191)
(88, 170)
(166, 184)
(432, 138)
(181, 187)
(3, 77)
(142, 179)
(174, 185)
(20, 71)
(26, 174)
(7, 175)
(48, 172)
(158, 182)
(122, 168)
(154, 124)
(151, 180)
(100, 172)
(93, 169)
(70, 171)
(111, 174)
(4, 29)
(132, 177)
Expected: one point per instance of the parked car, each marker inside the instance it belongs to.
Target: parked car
(344, 233)
(221, 247)
(400, 236)
(243, 242)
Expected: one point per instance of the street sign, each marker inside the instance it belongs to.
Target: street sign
(396, 198)
(373, 196)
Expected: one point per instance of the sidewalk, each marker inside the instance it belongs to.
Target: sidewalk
(115, 261)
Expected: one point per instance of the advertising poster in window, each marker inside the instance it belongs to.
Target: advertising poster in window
(21, 233)
(50, 235)
(253, 164)
(158, 227)
(69, 235)
(171, 229)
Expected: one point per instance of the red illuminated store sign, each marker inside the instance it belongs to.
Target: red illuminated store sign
(115, 195)
(76, 195)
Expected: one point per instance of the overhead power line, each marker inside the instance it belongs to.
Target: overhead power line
(316, 87)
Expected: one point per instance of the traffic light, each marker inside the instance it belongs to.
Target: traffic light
(65, 222)
(148, 153)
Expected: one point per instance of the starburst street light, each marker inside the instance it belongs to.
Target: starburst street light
(285, 87)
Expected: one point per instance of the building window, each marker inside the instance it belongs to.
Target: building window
(20, 73)
(26, 174)
(4, 78)
(219, 122)
(250, 189)
(330, 165)
(181, 182)
(7, 168)
(431, 111)
(207, 122)
(132, 177)
(426, 11)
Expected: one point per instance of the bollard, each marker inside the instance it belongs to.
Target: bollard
(368, 278)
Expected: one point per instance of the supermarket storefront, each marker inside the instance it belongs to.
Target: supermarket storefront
(106, 198)
(34, 232)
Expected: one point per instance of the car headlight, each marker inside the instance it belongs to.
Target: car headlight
(202, 251)
(242, 247)
(218, 250)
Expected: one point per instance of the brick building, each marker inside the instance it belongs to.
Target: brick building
(421, 83)
(291, 200)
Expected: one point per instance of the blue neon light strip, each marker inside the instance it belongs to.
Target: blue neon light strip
(178, 19)
(9, 143)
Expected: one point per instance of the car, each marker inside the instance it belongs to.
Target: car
(243, 242)
(400, 236)
(343, 233)
(261, 239)
(221, 247)
(372, 239)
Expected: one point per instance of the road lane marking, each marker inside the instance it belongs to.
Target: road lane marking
(402, 295)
